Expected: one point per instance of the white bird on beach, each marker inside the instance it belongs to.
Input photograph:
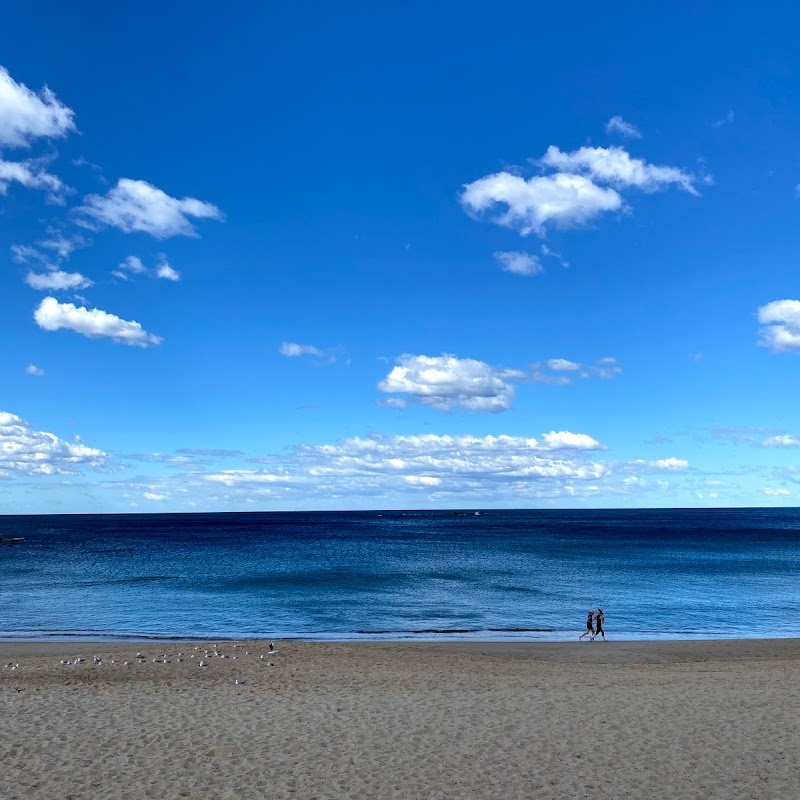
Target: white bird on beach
(238, 682)
(140, 655)
(64, 661)
(127, 663)
(272, 647)
(203, 664)
(247, 653)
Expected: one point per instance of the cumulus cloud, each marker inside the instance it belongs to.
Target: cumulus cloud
(134, 205)
(615, 166)
(52, 316)
(585, 184)
(24, 450)
(784, 440)
(776, 492)
(553, 371)
(780, 330)
(519, 263)
(562, 199)
(57, 281)
(32, 369)
(618, 125)
(132, 264)
(31, 174)
(445, 382)
(26, 115)
(166, 272)
(562, 364)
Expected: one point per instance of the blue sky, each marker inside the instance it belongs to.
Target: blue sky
(407, 256)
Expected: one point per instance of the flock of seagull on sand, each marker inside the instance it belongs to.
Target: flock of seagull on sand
(207, 653)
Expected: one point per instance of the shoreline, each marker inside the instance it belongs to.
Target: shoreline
(620, 650)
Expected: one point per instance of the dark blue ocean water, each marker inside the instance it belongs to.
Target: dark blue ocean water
(500, 575)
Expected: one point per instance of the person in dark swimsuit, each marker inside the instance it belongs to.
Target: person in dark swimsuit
(589, 628)
(599, 619)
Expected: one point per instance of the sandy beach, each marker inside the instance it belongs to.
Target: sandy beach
(448, 720)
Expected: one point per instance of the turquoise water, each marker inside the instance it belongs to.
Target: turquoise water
(416, 575)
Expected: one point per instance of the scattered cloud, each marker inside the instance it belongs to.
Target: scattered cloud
(57, 281)
(209, 452)
(166, 272)
(552, 371)
(784, 440)
(519, 263)
(24, 450)
(780, 331)
(132, 264)
(546, 251)
(31, 174)
(62, 245)
(615, 166)
(134, 205)
(446, 382)
(32, 369)
(776, 492)
(26, 115)
(562, 199)
(294, 350)
(52, 316)
(329, 355)
(24, 254)
(562, 365)
(585, 184)
(618, 125)
(154, 496)
(726, 120)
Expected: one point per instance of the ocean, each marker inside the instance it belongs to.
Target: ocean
(504, 575)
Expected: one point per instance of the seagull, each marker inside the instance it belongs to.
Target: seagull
(140, 655)
(156, 660)
(272, 647)
(238, 682)
(10, 665)
(127, 663)
(203, 664)
(247, 653)
(64, 661)
(270, 664)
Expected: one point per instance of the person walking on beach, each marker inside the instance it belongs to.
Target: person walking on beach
(599, 619)
(589, 628)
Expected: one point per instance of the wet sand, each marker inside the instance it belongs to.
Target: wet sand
(643, 720)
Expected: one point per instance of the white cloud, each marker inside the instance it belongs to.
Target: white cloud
(781, 326)
(422, 480)
(552, 371)
(134, 205)
(726, 120)
(52, 316)
(62, 245)
(532, 204)
(154, 496)
(445, 382)
(30, 452)
(618, 125)
(671, 464)
(785, 440)
(24, 254)
(57, 281)
(615, 166)
(519, 263)
(776, 492)
(561, 364)
(564, 440)
(294, 350)
(32, 175)
(546, 251)
(32, 369)
(132, 264)
(166, 272)
(27, 115)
